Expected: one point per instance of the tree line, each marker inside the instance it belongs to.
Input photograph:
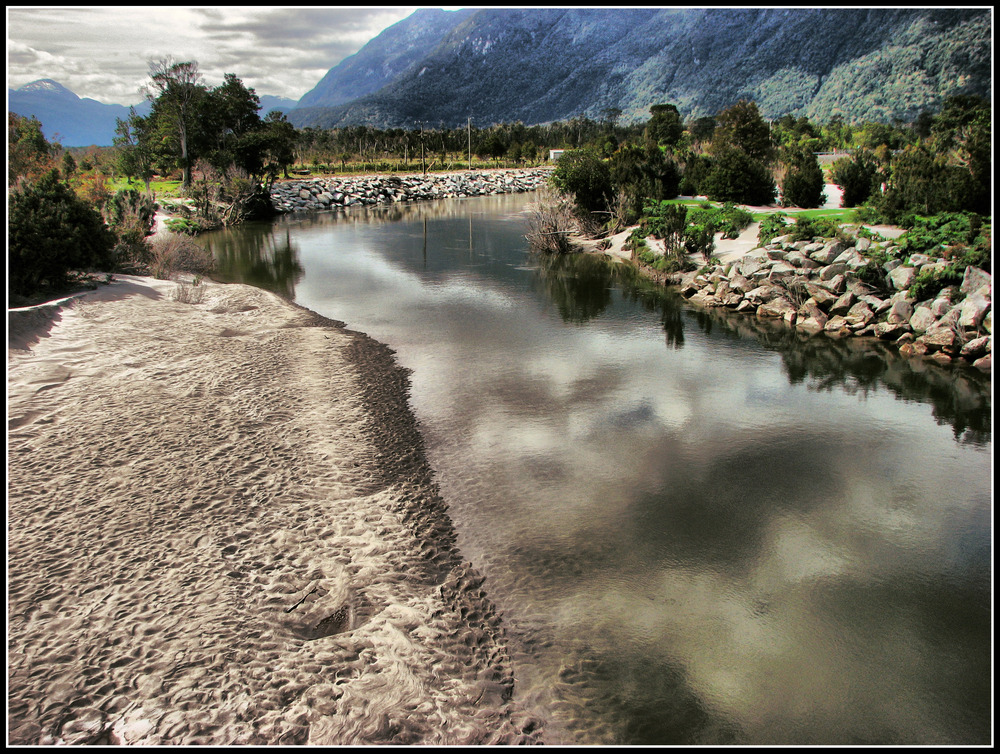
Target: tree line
(938, 163)
(226, 156)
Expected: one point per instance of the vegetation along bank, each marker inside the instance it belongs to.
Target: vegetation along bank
(926, 303)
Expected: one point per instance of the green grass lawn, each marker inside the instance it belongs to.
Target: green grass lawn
(162, 189)
(846, 215)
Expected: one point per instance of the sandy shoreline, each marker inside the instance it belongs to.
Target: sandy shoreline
(222, 529)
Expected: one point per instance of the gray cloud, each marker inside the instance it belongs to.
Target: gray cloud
(103, 53)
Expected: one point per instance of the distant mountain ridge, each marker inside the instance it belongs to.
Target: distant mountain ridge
(71, 120)
(538, 65)
(75, 121)
(384, 58)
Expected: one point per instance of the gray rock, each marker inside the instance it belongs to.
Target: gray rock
(832, 270)
(976, 348)
(810, 317)
(779, 307)
(762, 294)
(859, 316)
(941, 339)
(902, 278)
(843, 304)
(919, 260)
(974, 279)
(836, 324)
(891, 330)
(922, 319)
(973, 311)
(900, 312)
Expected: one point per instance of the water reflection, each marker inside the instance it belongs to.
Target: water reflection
(700, 527)
(960, 395)
(257, 254)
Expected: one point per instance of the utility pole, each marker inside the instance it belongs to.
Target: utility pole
(470, 142)
(423, 167)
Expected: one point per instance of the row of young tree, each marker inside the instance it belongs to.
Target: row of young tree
(940, 163)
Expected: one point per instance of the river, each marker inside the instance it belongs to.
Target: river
(699, 529)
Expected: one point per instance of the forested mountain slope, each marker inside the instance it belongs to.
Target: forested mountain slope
(544, 64)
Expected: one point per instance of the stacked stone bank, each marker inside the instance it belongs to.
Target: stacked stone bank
(338, 193)
(815, 288)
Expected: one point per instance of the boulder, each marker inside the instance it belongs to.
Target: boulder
(902, 278)
(974, 279)
(831, 271)
(779, 307)
(900, 312)
(976, 348)
(843, 304)
(941, 339)
(827, 252)
(810, 317)
(922, 319)
(837, 326)
(763, 294)
(859, 316)
(973, 311)
(891, 330)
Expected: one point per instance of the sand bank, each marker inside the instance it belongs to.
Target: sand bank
(223, 530)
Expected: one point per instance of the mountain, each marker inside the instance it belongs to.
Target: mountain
(269, 102)
(543, 64)
(384, 58)
(74, 121)
(66, 118)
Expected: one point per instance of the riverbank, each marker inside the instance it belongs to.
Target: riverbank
(222, 530)
(816, 288)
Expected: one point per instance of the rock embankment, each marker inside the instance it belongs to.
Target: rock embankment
(339, 193)
(815, 287)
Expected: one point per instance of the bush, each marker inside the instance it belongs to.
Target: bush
(938, 231)
(771, 227)
(931, 282)
(131, 216)
(586, 177)
(806, 229)
(172, 254)
(52, 231)
(857, 177)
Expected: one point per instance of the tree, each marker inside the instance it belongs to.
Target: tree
(857, 177)
(281, 134)
(228, 114)
(741, 126)
(52, 231)
(133, 138)
(584, 175)
(803, 184)
(736, 177)
(665, 126)
(642, 175)
(702, 129)
(175, 94)
(29, 154)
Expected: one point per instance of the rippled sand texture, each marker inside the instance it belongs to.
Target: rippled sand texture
(223, 530)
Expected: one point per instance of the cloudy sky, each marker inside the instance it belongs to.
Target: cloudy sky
(103, 52)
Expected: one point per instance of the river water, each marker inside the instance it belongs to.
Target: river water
(698, 529)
